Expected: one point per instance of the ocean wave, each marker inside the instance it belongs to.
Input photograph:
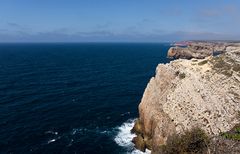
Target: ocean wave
(53, 140)
(51, 132)
(124, 138)
(140, 152)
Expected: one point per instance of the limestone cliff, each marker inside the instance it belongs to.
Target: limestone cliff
(198, 49)
(189, 93)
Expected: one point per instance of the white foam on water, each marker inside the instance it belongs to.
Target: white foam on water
(51, 132)
(76, 130)
(140, 152)
(124, 138)
(52, 140)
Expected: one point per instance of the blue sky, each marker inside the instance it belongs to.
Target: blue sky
(118, 20)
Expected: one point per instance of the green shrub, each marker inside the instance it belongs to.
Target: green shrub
(177, 73)
(233, 134)
(202, 62)
(182, 75)
(193, 141)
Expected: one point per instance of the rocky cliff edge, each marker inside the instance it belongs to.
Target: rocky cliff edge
(190, 93)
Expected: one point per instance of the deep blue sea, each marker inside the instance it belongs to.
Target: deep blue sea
(72, 98)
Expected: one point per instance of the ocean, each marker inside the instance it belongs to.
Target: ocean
(61, 98)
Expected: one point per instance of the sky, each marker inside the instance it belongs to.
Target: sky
(118, 20)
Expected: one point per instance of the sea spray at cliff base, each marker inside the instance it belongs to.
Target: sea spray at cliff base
(124, 137)
(72, 98)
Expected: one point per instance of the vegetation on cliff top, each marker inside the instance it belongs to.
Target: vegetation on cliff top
(234, 133)
(193, 141)
(203, 62)
(225, 65)
(196, 141)
(181, 75)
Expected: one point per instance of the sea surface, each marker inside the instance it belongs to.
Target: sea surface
(72, 98)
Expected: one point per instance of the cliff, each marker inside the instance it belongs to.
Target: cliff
(202, 93)
(199, 50)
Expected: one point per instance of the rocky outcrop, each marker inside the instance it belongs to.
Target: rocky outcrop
(198, 50)
(189, 93)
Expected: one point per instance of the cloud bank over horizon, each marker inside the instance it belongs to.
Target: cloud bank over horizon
(118, 21)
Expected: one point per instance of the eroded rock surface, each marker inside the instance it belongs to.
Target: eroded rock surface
(189, 93)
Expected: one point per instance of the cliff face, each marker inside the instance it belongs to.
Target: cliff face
(189, 93)
(199, 50)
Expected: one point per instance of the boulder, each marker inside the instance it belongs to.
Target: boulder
(139, 143)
